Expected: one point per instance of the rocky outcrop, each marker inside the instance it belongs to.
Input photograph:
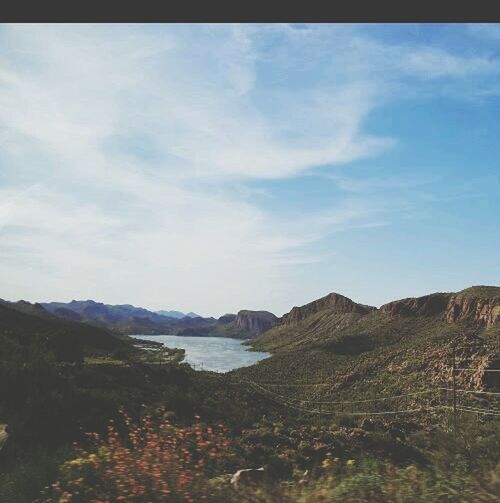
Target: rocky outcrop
(333, 302)
(480, 305)
(483, 311)
(428, 305)
(3, 435)
(255, 322)
(248, 476)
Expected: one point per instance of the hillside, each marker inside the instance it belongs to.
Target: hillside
(25, 325)
(312, 323)
(406, 344)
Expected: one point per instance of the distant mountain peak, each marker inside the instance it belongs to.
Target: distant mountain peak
(333, 302)
(177, 314)
(171, 314)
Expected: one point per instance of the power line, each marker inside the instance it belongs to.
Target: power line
(307, 384)
(289, 402)
(340, 402)
(479, 370)
(297, 385)
(484, 412)
(471, 391)
(378, 413)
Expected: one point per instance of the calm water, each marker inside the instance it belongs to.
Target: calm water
(217, 354)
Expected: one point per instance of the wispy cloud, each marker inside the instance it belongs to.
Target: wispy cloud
(122, 148)
(430, 62)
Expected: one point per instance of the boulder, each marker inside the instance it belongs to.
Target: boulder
(248, 476)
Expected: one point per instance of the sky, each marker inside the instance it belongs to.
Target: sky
(218, 167)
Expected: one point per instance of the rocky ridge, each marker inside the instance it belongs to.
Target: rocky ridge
(333, 302)
(480, 305)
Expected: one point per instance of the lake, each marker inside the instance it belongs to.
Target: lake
(218, 354)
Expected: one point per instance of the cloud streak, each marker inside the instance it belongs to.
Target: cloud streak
(123, 148)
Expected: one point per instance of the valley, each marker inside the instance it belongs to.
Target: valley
(353, 400)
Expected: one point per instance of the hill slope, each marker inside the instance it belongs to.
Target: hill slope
(28, 325)
(312, 323)
(406, 344)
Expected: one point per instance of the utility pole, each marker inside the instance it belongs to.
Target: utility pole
(454, 367)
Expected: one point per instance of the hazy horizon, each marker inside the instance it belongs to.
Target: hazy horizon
(213, 168)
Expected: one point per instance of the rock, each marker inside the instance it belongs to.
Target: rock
(428, 305)
(248, 476)
(484, 311)
(3, 435)
(255, 322)
(305, 478)
(480, 304)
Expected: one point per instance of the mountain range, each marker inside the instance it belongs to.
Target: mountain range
(333, 317)
(124, 318)
(404, 344)
(127, 320)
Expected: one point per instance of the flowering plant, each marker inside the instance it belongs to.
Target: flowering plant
(155, 461)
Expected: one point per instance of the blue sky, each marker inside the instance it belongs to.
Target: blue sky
(219, 167)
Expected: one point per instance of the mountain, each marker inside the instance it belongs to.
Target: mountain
(125, 318)
(404, 344)
(478, 304)
(244, 325)
(327, 318)
(99, 312)
(255, 322)
(30, 325)
(171, 314)
(313, 322)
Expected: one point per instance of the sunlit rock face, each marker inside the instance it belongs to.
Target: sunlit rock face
(428, 305)
(255, 322)
(480, 305)
(485, 312)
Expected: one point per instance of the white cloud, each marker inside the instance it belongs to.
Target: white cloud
(122, 148)
(429, 62)
(99, 219)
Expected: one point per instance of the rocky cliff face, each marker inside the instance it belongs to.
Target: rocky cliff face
(480, 305)
(428, 305)
(333, 302)
(255, 322)
(483, 311)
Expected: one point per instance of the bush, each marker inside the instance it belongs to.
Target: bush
(153, 461)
